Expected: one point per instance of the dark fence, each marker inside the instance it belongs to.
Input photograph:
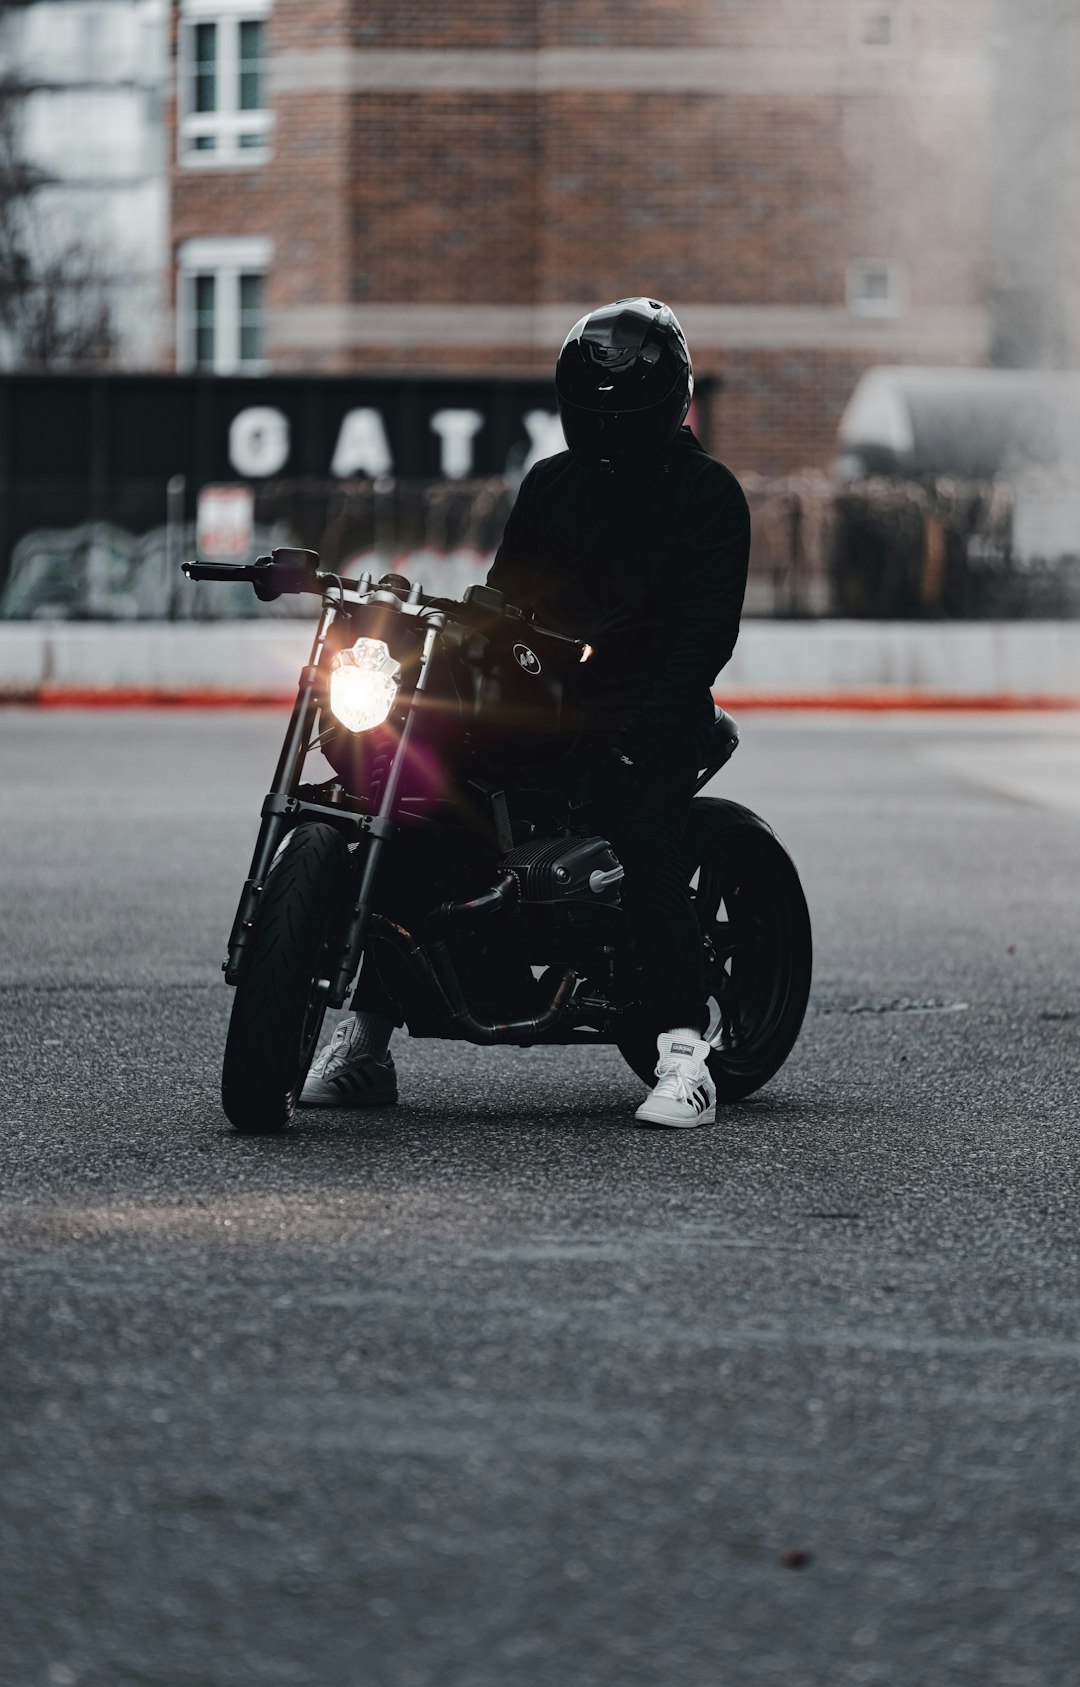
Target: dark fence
(84, 450)
(440, 532)
(419, 476)
(953, 550)
(883, 549)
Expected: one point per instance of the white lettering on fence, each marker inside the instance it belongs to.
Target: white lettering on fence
(259, 441)
(362, 446)
(545, 435)
(456, 430)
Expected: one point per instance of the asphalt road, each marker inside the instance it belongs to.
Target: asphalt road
(495, 1389)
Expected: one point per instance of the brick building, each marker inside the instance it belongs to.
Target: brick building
(401, 185)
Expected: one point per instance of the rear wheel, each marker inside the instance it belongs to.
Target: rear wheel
(281, 996)
(755, 931)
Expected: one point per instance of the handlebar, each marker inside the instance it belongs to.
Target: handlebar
(216, 571)
(287, 569)
(295, 571)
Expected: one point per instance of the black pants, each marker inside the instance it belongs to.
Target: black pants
(645, 828)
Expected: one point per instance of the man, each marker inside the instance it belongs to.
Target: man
(637, 541)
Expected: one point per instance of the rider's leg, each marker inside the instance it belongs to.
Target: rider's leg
(645, 829)
(356, 1068)
(373, 1004)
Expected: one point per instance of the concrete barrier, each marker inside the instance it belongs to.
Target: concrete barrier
(1003, 661)
(777, 663)
(211, 661)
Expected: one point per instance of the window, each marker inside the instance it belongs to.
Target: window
(876, 287)
(250, 318)
(220, 318)
(878, 27)
(222, 118)
(205, 319)
(249, 76)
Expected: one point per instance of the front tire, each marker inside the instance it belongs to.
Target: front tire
(755, 930)
(279, 1007)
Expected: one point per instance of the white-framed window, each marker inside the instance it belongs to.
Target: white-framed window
(221, 88)
(876, 287)
(879, 27)
(220, 321)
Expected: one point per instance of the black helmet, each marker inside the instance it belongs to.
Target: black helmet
(624, 383)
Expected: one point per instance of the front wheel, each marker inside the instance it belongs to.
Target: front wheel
(755, 930)
(281, 996)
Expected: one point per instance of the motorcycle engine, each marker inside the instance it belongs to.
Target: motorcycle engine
(568, 879)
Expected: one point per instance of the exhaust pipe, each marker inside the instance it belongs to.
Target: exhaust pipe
(433, 964)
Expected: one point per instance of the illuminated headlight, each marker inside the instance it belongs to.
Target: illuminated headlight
(363, 684)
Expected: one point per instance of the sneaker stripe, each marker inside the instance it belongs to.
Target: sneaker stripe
(358, 1078)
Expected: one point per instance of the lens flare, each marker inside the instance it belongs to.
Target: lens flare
(363, 685)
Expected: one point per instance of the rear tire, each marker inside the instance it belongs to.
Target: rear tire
(758, 950)
(278, 1008)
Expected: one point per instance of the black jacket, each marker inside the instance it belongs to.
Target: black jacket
(651, 570)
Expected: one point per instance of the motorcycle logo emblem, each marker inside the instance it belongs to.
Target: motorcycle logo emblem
(528, 659)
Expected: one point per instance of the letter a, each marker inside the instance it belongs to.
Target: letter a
(362, 446)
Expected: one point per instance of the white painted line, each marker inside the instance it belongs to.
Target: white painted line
(1045, 774)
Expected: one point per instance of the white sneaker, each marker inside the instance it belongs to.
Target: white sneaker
(343, 1076)
(685, 1094)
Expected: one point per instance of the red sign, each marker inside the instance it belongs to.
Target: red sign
(225, 524)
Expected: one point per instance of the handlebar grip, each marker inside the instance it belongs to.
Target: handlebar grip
(216, 571)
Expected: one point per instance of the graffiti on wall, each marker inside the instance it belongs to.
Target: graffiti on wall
(99, 572)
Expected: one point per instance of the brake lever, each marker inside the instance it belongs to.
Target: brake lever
(293, 573)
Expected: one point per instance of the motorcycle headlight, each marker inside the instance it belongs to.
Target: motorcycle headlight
(363, 684)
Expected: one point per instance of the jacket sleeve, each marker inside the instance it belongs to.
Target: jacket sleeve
(513, 570)
(712, 558)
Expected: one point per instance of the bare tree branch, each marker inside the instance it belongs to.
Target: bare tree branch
(55, 309)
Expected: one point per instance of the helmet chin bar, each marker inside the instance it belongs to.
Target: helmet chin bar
(624, 442)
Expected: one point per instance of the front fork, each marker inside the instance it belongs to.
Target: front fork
(379, 830)
(275, 810)
(279, 807)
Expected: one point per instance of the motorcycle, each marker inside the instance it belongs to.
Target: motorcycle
(448, 852)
